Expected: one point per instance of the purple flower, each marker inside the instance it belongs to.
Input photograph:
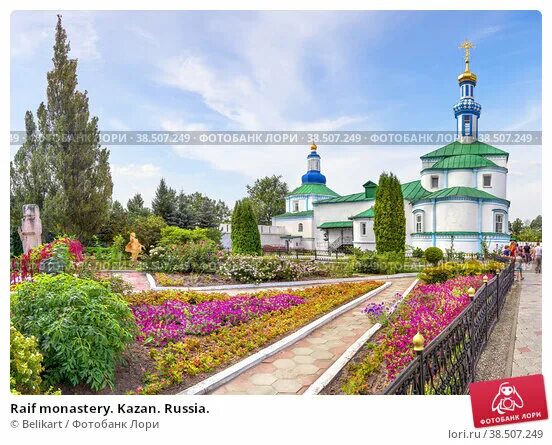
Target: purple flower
(173, 320)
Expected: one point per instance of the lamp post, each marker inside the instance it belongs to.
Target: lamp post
(418, 342)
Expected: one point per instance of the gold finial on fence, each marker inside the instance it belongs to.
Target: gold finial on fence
(485, 278)
(418, 341)
(471, 293)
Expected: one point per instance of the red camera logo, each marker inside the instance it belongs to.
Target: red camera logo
(514, 400)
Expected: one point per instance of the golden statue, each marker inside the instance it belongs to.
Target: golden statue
(134, 247)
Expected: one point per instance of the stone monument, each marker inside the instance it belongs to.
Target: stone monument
(134, 247)
(30, 231)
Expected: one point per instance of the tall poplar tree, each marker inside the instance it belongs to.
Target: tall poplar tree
(245, 236)
(64, 160)
(389, 218)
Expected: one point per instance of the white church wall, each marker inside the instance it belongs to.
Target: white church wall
(427, 220)
(501, 161)
(498, 182)
(409, 222)
(335, 212)
(426, 180)
(456, 216)
(461, 178)
(364, 242)
(487, 216)
(290, 204)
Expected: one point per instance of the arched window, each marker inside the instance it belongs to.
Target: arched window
(419, 221)
(300, 227)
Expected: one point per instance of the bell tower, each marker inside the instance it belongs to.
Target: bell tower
(467, 110)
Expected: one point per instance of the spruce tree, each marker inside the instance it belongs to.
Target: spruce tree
(245, 236)
(164, 203)
(62, 166)
(389, 218)
(135, 206)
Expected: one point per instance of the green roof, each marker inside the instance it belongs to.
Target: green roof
(304, 214)
(366, 214)
(313, 189)
(462, 161)
(457, 148)
(462, 191)
(336, 225)
(413, 190)
(355, 197)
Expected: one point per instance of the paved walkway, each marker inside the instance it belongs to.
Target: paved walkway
(137, 280)
(528, 345)
(295, 368)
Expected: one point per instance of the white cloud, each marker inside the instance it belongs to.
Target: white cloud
(132, 178)
(137, 171)
(34, 32)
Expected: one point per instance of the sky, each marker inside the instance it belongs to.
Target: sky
(267, 70)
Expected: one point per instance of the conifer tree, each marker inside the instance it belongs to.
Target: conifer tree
(245, 236)
(63, 167)
(389, 218)
(164, 203)
(135, 206)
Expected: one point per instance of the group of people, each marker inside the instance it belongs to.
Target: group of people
(526, 254)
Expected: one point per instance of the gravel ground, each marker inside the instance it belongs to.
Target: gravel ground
(496, 360)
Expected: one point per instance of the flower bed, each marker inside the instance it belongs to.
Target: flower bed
(174, 320)
(193, 355)
(60, 255)
(428, 309)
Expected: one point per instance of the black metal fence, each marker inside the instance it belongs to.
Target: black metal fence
(447, 364)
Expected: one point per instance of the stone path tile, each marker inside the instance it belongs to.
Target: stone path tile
(528, 345)
(295, 368)
(137, 280)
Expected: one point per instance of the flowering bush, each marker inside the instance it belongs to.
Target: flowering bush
(200, 354)
(61, 255)
(198, 257)
(255, 269)
(173, 320)
(428, 309)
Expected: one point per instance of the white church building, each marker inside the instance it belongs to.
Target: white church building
(459, 199)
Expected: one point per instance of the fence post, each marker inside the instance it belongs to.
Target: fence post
(485, 281)
(418, 341)
(497, 296)
(471, 294)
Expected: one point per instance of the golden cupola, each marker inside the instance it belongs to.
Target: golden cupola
(467, 75)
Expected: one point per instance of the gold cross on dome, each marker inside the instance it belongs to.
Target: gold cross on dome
(466, 45)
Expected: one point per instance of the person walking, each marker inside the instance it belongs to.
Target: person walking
(527, 253)
(518, 266)
(538, 258)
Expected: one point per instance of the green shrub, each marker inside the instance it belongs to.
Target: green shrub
(172, 235)
(417, 253)
(115, 283)
(370, 262)
(25, 364)
(81, 327)
(436, 274)
(148, 230)
(197, 257)
(245, 236)
(433, 255)
(449, 270)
